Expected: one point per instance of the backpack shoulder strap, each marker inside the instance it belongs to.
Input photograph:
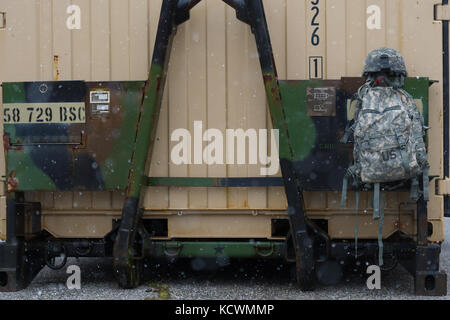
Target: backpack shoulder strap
(349, 128)
(358, 96)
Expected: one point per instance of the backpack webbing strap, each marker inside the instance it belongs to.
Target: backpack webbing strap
(350, 127)
(344, 191)
(414, 189)
(405, 162)
(356, 223)
(402, 142)
(376, 201)
(426, 184)
(380, 229)
(348, 132)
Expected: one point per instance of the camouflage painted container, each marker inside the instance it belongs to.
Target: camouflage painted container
(70, 135)
(214, 76)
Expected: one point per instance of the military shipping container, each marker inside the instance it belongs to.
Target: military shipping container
(214, 79)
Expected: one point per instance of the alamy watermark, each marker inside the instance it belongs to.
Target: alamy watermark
(211, 147)
(74, 280)
(374, 19)
(73, 22)
(374, 280)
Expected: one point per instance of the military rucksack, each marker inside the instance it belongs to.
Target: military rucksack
(389, 148)
(388, 137)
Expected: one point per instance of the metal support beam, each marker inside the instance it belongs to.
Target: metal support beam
(173, 13)
(20, 260)
(126, 266)
(303, 243)
(442, 12)
(241, 9)
(428, 280)
(422, 222)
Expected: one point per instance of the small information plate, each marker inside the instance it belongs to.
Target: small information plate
(321, 101)
(99, 97)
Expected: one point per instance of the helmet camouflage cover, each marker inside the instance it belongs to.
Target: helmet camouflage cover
(385, 59)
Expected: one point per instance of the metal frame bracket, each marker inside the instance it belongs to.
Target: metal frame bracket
(441, 12)
(443, 187)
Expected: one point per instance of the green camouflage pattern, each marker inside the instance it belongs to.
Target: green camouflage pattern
(385, 59)
(102, 161)
(94, 155)
(319, 158)
(388, 137)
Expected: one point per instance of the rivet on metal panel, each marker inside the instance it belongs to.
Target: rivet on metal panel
(43, 88)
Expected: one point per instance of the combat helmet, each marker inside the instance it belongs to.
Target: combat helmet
(385, 60)
(388, 63)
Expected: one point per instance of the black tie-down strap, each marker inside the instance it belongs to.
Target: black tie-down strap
(303, 243)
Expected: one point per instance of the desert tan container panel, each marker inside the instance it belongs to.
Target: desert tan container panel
(214, 77)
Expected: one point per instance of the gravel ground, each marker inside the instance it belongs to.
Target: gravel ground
(254, 280)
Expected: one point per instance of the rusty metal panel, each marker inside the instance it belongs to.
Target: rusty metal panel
(78, 135)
